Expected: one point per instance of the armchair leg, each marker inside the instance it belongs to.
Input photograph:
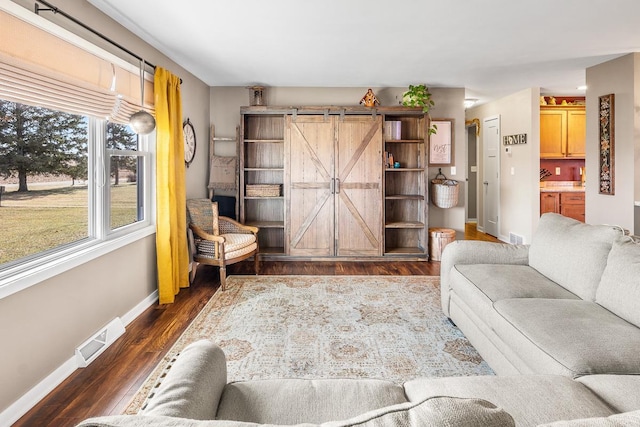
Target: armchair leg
(192, 273)
(256, 263)
(223, 277)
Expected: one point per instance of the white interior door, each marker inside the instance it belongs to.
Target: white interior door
(491, 176)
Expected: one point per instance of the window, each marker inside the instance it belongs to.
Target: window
(67, 181)
(77, 181)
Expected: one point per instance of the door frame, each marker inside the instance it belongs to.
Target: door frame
(498, 166)
(472, 125)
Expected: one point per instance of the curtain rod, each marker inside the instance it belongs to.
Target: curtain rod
(55, 10)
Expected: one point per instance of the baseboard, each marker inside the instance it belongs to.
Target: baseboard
(136, 311)
(30, 399)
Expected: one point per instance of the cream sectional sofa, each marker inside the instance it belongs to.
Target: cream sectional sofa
(195, 393)
(568, 304)
(562, 311)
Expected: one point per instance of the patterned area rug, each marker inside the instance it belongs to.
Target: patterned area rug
(388, 327)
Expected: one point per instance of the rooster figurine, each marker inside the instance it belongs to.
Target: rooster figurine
(369, 99)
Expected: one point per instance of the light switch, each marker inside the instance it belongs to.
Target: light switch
(513, 170)
(453, 170)
(557, 171)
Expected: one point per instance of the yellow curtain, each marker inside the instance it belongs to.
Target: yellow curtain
(171, 238)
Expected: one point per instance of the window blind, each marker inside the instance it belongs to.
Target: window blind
(40, 68)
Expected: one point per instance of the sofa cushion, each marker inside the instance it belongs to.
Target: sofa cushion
(619, 289)
(614, 390)
(499, 281)
(578, 336)
(279, 402)
(440, 411)
(618, 420)
(529, 399)
(571, 253)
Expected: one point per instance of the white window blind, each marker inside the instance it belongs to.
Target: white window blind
(39, 68)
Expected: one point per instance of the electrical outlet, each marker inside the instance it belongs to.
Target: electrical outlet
(557, 171)
(453, 170)
(513, 170)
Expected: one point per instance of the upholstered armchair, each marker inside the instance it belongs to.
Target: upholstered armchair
(218, 240)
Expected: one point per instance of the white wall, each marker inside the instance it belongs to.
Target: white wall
(42, 325)
(621, 77)
(225, 115)
(519, 192)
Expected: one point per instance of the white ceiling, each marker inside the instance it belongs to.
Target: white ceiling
(491, 47)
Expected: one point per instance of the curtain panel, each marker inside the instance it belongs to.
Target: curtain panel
(171, 227)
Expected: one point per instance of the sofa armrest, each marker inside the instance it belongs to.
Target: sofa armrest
(193, 385)
(476, 252)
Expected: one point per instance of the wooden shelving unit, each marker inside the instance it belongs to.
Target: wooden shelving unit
(273, 151)
(406, 207)
(262, 162)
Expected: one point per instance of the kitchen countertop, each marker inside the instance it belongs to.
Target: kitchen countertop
(561, 187)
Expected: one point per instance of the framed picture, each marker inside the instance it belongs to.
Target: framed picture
(607, 144)
(441, 142)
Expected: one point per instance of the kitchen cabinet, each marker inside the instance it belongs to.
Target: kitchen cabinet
(549, 202)
(562, 132)
(569, 204)
(572, 205)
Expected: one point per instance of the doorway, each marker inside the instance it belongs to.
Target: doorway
(472, 172)
(491, 175)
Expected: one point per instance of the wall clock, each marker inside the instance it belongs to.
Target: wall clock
(189, 142)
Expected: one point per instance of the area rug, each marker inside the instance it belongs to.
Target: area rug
(388, 327)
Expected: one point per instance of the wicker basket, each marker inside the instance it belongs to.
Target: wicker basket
(263, 190)
(444, 192)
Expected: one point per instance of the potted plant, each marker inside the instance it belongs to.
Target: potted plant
(419, 96)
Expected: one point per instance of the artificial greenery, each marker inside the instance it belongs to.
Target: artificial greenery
(419, 96)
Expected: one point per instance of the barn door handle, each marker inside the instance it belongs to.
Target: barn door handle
(332, 186)
(337, 185)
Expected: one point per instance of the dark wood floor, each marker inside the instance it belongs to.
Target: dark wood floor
(107, 385)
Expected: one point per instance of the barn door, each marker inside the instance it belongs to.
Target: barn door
(358, 186)
(310, 185)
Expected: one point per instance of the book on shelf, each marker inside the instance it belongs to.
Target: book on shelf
(393, 129)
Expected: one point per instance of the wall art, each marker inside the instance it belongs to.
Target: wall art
(607, 144)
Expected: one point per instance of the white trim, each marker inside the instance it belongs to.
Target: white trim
(12, 283)
(31, 398)
(136, 311)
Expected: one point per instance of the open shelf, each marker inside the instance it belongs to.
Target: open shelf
(405, 224)
(404, 169)
(266, 224)
(404, 197)
(405, 251)
(405, 141)
(266, 141)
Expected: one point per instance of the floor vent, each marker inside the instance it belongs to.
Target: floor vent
(515, 239)
(94, 346)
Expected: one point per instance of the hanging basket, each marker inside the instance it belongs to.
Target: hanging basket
(444, 192)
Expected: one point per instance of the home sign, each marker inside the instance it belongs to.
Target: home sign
(514, 139)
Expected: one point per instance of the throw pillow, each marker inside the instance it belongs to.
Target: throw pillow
(619, 289)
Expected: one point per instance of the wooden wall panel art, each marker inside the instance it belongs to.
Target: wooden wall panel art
(607, 144)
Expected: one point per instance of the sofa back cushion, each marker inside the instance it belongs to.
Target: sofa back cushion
(619, 290)
(571, 253)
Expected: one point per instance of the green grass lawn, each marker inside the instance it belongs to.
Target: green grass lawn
(46, 218)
